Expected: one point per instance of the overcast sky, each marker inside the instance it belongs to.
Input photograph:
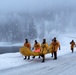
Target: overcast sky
(34, 5)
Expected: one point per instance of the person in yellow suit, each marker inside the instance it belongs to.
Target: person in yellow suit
(44, 48)
(36, 47)
(28, 45)
(72, 45)
(55, 46)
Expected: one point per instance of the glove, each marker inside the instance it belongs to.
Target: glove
(59, 48)
(33, 48)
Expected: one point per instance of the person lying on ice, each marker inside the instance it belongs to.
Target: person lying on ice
(55, 46)
(44, 48)
(72, 45)
(28, 45)
(36, 47)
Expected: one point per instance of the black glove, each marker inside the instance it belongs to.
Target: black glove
(33, 48)
(59, 48)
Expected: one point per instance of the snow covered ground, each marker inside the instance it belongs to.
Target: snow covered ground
(13, 63)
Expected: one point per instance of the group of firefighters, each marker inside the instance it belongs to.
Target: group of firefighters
(44, 47)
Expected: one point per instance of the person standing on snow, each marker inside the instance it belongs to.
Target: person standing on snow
(36, 47)
(55, 46)
(44, 48)
(28, 45)
(72, 45)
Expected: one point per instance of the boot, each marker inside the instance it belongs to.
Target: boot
(28, 58)
(39, 56)
(72, 51)
(43, 60)
(43, 56)
(33, 57)
(52, 55)
(55, 58)
(25, 57)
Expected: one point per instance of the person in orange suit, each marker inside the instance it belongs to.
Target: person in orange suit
(44, 48)
(36, 47)
(55, 45)
(72, 45)
(28, 45)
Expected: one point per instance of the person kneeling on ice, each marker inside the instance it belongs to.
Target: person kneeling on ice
(55, 46)
(72, 45)
(36, 47)
(44, 48)
(28, 45)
